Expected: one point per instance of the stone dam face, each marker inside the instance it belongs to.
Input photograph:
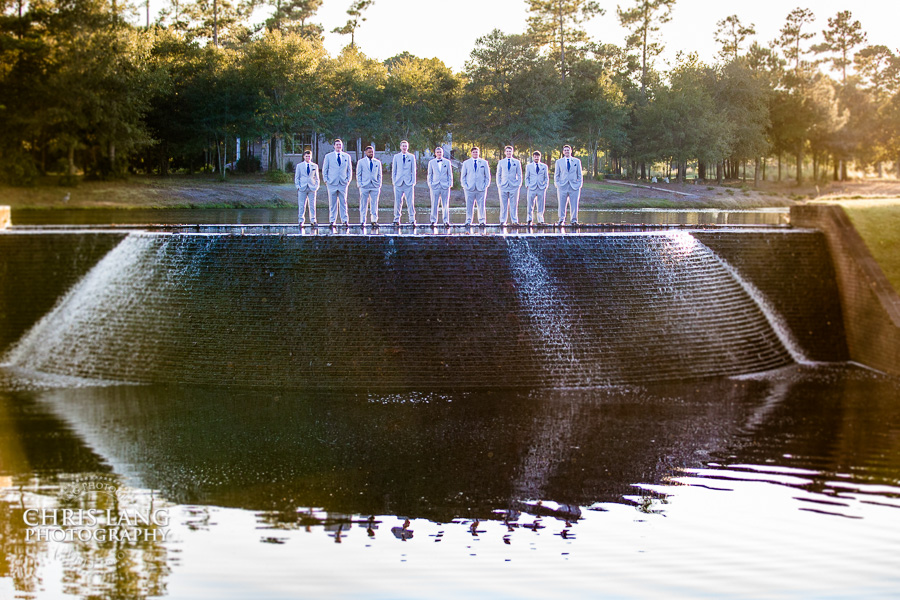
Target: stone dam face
(426, 312)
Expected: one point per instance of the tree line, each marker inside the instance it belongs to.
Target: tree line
(86, 86)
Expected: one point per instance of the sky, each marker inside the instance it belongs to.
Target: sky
(448, 30)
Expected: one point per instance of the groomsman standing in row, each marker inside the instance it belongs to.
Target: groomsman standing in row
(537, 180)
(337, 172)
(306, 178)
(368, 179)
(568, 179)
(440, 181)
(475, 179)
(509, 182)
(403, 177)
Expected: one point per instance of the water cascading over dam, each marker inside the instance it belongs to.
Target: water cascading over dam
(396, 312)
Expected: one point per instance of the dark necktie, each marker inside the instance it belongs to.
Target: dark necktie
(404, 160)
(568, 165)
(339, 160)
(307, 170)
(508, 164)
(371, 164)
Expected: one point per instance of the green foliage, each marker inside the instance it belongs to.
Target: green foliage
(511, 95)
(279, 176)
(420, 101)
(82, 89)
(18, 169)
(643, 20)
(731, 33)
(247, 165)
(841, 37)
(557, 24)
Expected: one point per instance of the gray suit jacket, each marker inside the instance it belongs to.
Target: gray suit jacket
(403, 172)
(509, 174)
(476, 175)
(568, 173)
(440, 174)
(537, 177)
(337, 175)
(368, 173)
(306, 182)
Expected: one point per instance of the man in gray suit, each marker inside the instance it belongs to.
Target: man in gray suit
(475, 179)
(306, 178)
(403, 177)
(568, 179)
(509, 182)
(368, 179)
(537, 180)
(440, 180)
(337, 171)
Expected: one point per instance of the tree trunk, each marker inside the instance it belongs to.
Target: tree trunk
(756, 172)
(836, 174)
(71, 157)
(799, 167)
(843, 170)
(720, 172)
(701, 170)
(779, 167)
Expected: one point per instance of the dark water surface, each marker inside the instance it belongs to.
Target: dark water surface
(253, 216)
(785, 484)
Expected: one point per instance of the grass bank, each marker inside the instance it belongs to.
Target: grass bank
(878, 223)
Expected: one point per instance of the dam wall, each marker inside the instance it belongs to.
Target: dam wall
(794, 271)
(37, 268)
(406, 312)
(871, 305)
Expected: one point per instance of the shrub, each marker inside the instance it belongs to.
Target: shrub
(247, 164)
(278, 176)
(18, 169)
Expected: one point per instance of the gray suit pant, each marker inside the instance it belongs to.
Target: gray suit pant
(568, 196)
(509, 205)
(337, 201)
(368, 196)
(399, 192)
(473, 197)
(537, 200)
(439, 194)
(307, 199)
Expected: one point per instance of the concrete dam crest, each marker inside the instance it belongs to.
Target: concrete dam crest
(402, 312)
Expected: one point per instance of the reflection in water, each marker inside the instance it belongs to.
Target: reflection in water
(696, 485)
(250, 216)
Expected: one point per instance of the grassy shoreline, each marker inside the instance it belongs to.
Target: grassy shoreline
(878, 223)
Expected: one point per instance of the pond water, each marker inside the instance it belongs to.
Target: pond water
(784, 484)
(252, 216)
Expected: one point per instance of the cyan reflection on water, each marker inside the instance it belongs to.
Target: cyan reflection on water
(786, 483)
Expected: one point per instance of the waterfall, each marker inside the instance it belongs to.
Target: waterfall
(544, 303)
